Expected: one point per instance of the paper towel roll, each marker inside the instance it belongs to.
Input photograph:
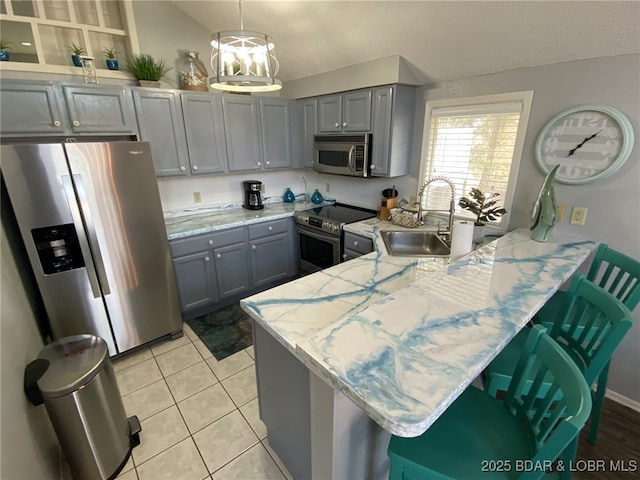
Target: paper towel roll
(462, 239)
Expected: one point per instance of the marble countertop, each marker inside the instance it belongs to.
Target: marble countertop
(403, 337)
(185, 223)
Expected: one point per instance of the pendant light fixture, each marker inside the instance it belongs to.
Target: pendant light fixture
(243, 61)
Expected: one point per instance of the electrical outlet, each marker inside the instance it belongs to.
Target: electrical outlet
(578, 215)
(197, 197)
(561, 210)
(328, 189)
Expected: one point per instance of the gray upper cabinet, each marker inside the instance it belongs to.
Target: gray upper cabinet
(242, 131)
(308, 121)
(160, 122)
(31, 108)
(204, 128)
(348, 112)
(393, 110)
(103, 109)
(276, 123)
(49, 108)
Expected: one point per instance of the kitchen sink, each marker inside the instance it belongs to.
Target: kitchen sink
(420, 243)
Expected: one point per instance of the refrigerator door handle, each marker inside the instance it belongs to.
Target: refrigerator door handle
(87, 251)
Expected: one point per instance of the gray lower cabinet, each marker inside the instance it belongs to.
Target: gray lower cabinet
(160, 123)
(272, 251)
(229, 264)
(32, 108)
(356, 246)
(204, 127)
(196, 280)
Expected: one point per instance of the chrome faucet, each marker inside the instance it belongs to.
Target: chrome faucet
(452, 205)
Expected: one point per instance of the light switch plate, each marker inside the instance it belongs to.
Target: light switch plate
(197, 197)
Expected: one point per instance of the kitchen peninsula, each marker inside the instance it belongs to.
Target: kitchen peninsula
(383, 344)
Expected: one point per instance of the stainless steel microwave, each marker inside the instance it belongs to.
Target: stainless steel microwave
(343, 154)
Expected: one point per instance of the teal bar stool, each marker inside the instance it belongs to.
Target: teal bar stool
(611, 270)
(480, 436)
(589, 325)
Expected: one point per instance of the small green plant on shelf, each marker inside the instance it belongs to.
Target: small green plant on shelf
(482, 205)
(110, 53)
(77, 49)
(145, 67)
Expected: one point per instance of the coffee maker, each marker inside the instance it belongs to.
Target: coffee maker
(252, 197)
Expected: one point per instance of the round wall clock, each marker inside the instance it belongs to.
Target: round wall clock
(589, 142)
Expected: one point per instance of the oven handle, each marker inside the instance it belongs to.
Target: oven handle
(326, 237)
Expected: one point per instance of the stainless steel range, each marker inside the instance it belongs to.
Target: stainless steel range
(319, 233)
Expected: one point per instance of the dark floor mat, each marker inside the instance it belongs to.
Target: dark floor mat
(225, 331)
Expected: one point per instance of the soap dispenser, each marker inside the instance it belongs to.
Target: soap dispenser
(317, 197)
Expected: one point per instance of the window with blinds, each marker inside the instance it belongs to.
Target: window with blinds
(474, 143)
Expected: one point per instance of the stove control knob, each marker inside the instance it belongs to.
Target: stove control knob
(336, 228)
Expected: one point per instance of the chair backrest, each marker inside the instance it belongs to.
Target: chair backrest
(590, 326)
(618, 274)
(553, 417)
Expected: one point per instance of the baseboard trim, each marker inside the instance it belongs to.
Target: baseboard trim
(621, 399)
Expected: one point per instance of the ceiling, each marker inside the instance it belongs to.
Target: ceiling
(441, 40)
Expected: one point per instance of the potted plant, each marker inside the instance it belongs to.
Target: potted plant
(147, 70)
(111, 60)
(4, 51)
(483, 206)
(76, 51)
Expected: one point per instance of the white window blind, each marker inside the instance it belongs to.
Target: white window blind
(473, 146)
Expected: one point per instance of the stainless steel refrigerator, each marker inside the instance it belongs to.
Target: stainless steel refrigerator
(91, 220)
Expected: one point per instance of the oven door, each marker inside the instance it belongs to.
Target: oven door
(316, 250)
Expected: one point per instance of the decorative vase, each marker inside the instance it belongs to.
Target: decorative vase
(317, 197)
(543, 213)
(149, 83)
(112, 63)
(77, 61)
(4, 55)
(288, 196)
(478, 233)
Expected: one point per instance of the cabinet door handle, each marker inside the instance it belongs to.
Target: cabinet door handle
(206, 259)
(210, 242)
(270, 228)
(337, 125)
(344, 124)
(56, 123)
(268, 162)
(258, 164)
(183, 168)
(373, 167)
(218, 255)
(76, 123)
(195, 167)
(355, 244)
(253, 247)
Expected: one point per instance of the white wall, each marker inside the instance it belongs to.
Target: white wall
(29, 446)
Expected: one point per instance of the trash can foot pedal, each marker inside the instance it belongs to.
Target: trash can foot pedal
(134, 431)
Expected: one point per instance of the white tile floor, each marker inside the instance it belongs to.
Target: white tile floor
(199, 416)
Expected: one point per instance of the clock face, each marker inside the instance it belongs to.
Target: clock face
(589, 143)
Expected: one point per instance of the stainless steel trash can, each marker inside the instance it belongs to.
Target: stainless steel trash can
(75, 380)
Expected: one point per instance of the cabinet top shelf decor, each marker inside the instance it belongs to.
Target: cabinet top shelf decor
(41, 34)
